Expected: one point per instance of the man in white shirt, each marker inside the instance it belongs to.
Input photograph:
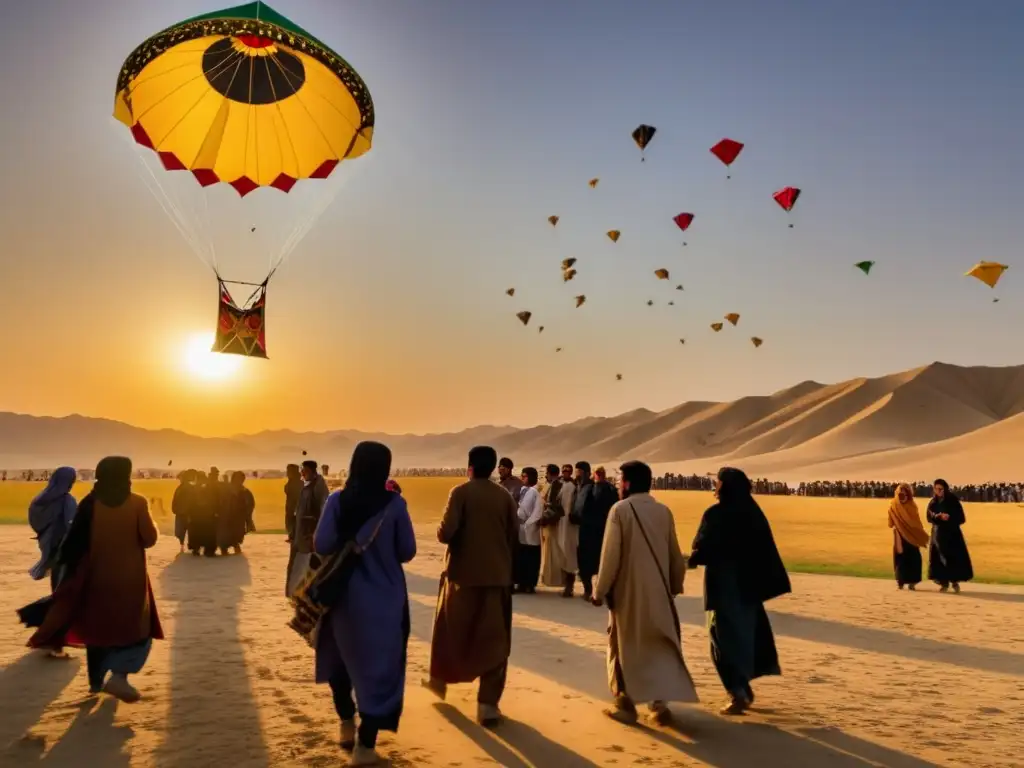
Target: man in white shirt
(531, 508)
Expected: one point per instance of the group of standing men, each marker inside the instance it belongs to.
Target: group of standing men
(560, 535)
(211, 514)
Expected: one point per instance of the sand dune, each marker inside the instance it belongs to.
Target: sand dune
(800, 431)
(866, 669)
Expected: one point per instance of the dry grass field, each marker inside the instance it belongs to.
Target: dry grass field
(838, 536)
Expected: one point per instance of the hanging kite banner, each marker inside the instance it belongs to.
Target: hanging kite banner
(241, 331)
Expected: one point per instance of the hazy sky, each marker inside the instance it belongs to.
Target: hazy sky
(902, 122)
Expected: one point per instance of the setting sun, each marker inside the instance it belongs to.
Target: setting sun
(201, 363)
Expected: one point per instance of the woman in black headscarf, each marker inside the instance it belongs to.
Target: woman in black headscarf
(362, 642)
(106, 601)
(743, 570)
(949, 562)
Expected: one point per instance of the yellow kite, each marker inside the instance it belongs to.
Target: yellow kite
(733, 318)
(988, 272)
(661, 274)
(614, 235)
(552, 220)
(593, 183)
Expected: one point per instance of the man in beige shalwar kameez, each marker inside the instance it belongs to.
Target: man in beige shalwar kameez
(567, 534)
(642, 570)
(552, 571)
(472, 635)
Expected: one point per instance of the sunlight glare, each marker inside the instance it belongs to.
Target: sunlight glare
(201, 363)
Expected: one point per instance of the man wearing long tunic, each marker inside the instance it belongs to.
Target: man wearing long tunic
(472, 635)
(641, 573)
(568, 534)
(312, 499)
(552, 562)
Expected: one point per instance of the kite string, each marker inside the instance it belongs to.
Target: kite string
(305, 226)
(173, 212)
(167, 203)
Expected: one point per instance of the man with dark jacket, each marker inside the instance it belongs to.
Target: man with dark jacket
(590, 511)
(312, 499)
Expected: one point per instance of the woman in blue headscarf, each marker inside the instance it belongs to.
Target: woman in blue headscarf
(50, 515)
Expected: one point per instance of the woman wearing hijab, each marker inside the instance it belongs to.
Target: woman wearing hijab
(908, 537)
(362, 641)
(949, 562)
(105, 602)
(742, 570)
(50, 515)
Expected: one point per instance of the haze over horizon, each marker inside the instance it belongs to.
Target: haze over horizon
(897, 120)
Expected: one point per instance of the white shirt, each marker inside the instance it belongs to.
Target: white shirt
(530, 510)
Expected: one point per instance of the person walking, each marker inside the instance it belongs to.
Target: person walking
(641, 571)
(472, 635)
(362, 644)
(909, 536)
(742, 571)
(50, 515)
(106, 601)
(949, 562)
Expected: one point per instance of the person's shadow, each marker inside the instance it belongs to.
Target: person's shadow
(514, 744)
(27, 688)
(93, 733)
(211, 700)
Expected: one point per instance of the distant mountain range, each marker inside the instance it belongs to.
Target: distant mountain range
(969, 419)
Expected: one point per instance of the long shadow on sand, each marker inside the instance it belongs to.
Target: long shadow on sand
(996, 597)
(212, 707)
(713, 740)
(27, 688)
(93, 733)
(511, 739)
(551, 608)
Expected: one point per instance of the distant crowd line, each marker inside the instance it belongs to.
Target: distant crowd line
(985, 492)
(1006, 493)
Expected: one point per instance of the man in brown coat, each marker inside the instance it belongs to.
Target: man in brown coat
(312, 498)
(472, 635)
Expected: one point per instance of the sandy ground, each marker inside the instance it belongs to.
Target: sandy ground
(873, 677)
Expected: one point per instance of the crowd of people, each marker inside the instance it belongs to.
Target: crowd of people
(983, 492)
(212, 513)
(503, 538)
(873, 489)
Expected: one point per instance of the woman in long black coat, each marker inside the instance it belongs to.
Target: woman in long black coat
(949, 562)
(742, 571)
